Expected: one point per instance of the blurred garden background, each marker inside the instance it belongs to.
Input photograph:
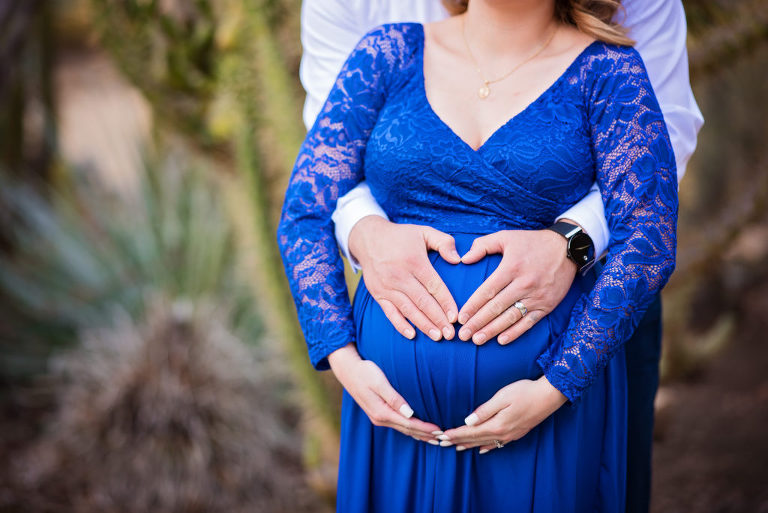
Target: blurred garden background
(150, 358)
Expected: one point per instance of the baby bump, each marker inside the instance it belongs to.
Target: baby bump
(444, 381)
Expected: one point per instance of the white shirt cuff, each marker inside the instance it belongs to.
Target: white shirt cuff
(590, 214)
(351, 208)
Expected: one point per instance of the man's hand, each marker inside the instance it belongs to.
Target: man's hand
(534, 270)
(507, 416)
(371, 390)
(400, 276)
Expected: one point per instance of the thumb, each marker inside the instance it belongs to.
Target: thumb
(442, 243)
(481, 246)
(395, 401)
(484, 412)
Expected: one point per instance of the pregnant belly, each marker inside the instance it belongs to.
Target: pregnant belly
(444, 381)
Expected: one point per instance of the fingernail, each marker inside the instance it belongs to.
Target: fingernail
(410, 333)
(460, 448)
(503, 339)
(448, 333)
(456, 255)
(463, 318)
(479, 338)
(433, 442)
(451, 316)
(446, 443)
(406, 411)
(464, 334)
(434, 333)
(483, 451)
(443, 437)
(438, 432)
(471, 420)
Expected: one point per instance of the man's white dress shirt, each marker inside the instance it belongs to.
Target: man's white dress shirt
(330, 29)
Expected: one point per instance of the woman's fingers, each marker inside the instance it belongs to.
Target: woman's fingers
(393, 411)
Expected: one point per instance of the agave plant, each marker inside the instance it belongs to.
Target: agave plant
(82, 252)
(169, 413)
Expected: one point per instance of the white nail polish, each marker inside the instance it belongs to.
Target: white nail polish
(406, 411)
(460, 448)
(442, 437)
(433, 442)
(483, 451)
(471, 420)
(438, 432)
(446, 443)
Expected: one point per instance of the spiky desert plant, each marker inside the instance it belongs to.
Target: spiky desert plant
(172, 413)
(81, 252)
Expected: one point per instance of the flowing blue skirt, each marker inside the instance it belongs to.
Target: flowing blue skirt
(574, 461)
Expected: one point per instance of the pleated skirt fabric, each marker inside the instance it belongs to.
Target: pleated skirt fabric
(574, 461)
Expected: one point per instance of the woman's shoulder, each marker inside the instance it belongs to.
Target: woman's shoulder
(397, 37)
(603, 58)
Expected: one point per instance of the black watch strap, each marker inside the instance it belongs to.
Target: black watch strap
(567, 230)
(580, 249)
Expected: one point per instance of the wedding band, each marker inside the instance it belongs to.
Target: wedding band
(499, 445)
(520, 306)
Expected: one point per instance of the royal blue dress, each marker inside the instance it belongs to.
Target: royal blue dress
(599, 121)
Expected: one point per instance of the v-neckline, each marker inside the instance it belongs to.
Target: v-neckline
(544, 93)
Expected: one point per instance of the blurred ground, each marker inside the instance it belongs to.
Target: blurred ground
(711, 452)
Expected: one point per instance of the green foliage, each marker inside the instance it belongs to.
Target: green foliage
(85, 252)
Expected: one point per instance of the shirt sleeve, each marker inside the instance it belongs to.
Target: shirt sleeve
(329, 31)
(659, 28)
(329, 164)
(635, 170)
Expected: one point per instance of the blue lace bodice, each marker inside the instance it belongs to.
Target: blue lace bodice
(599, 121)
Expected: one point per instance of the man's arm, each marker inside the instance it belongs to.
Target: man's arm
(535, 269)
(659, 29)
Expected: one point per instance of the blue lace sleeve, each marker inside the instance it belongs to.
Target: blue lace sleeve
(637, 178)
(329, 164)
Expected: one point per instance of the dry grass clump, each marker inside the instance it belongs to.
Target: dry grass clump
(174, 415)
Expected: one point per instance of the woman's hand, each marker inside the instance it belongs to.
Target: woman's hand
(509, 415)
(534, 270)
(370, 389)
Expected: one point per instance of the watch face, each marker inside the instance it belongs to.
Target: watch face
(581, 249)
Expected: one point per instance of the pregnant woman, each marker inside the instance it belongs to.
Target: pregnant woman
(471, 150)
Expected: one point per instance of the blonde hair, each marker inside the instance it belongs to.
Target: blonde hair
(592, 17)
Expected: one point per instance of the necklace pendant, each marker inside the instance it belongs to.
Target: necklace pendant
(483, 92)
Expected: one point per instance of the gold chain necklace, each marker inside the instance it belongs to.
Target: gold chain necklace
(485, 90)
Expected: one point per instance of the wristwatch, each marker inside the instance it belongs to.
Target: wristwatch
(581, 249)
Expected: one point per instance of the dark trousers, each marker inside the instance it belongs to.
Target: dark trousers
(643, 353)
